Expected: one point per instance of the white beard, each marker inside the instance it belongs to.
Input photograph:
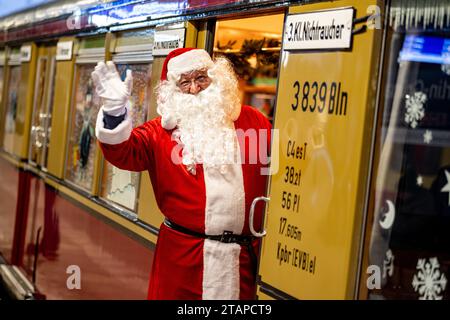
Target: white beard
(205, 128)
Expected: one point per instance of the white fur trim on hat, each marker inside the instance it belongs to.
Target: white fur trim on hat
(117, 135)
(188, 61)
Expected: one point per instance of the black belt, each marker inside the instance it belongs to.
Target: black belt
(225, 237)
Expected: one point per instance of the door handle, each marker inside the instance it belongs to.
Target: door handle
(252, 213)
(37, 132)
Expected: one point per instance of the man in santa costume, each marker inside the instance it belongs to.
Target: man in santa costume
(203, 155)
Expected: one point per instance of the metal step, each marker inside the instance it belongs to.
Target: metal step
(15, 283)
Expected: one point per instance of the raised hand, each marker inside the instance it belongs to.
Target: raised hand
(108, 85)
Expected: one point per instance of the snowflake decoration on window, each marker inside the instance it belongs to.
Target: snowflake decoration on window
(427, 136)
(414, 108)
(445, 68)
(419, 180)
(429, 281)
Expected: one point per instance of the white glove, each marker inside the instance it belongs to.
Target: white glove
(108, 85)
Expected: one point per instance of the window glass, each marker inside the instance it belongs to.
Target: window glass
(138, 37)
(11, 108)
(410, 236)
(82, 141)
(118, 185)
(92, 43)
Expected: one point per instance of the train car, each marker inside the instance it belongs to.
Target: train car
(358, 200)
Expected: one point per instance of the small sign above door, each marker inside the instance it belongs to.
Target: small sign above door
(329, 29)
(25, 53)
(168, 40)
(64, 50)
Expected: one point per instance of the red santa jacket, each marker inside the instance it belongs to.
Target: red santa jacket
(187, 267)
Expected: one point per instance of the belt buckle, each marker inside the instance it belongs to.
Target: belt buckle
(227, 237)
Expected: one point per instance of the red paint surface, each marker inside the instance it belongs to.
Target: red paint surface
(50, 28)
(23, 196)
(9, 184)
(112, 264)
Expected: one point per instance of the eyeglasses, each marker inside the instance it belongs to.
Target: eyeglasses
(200, 78)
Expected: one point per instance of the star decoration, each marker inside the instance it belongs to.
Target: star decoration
(427, 136)
(446, 188)
(419, 181)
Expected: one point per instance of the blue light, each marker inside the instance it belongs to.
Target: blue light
(425, 49)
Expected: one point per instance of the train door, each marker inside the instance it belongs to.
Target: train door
(321, 151)
(63, 79)
(252, 45)
(81, 153)
(131, 50)
(407, 236)
(42, 106)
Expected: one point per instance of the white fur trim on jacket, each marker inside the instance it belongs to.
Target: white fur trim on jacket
(188, 61)
(221, 279)
(225, 211)
(117, 135)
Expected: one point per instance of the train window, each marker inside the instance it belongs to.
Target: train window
(2, 73)
(132, 50)
(133, 41)
(119, 185)
(80, 157)
(410, 237)
(11, 100)
(82, 146)
(253, 47)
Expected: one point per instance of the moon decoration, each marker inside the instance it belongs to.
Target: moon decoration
(389, 216)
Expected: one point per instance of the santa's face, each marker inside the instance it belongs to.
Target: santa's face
(194, 81)
(202, 105)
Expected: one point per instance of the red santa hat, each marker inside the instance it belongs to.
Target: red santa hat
(183, 60)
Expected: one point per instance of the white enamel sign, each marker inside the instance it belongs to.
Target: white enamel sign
(25, 53)
(168, 40)
(64, 50)
(331, 29)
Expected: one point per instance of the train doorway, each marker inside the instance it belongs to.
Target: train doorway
(253, 47)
